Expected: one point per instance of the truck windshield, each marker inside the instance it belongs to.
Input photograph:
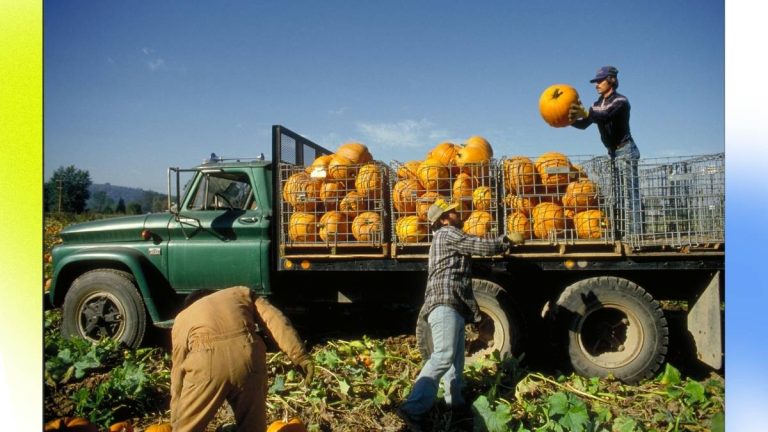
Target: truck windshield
(222, 190)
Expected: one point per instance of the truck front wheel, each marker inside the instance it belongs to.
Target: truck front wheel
(614, 327)
(499, 328)
(104, 303)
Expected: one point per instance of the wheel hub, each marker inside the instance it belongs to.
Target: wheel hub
(100, 317)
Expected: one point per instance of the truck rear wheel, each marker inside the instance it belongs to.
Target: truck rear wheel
(499, 328)
(614, 327)
(104, 303)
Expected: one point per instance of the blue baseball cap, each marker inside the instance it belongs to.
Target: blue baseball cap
(603, 73)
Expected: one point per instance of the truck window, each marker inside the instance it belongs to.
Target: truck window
(222, 190)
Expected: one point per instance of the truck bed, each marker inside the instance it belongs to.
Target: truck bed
(682, 210)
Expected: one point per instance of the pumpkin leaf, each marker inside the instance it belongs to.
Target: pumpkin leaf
(569, 411)
(344, 387)
(717, 423)
(624, 424)
(670, 376)
(278, 386)
(489, 419)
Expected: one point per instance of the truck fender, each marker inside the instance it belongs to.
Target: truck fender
(129, 258)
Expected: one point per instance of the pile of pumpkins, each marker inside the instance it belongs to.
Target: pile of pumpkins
(550, 194)
(340, 197)
(334, 198)
(79, 424)
(459, 174)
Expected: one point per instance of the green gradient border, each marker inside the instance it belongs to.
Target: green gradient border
(21, 270)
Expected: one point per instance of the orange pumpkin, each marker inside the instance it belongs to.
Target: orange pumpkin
(410, 229)
(409, 170)
(355, 152)
(473, 155)
(433, 175)
(353, 203)
(302, 227)
(555, 102)
(590, 224)
(320, 165)
(74, 424)
(404, 195)
(366, 227)
(463, 186)
(478, 223)
(578, 173)
(342, 168)
(445, 153)
(161, 427)
(334, 227)
(424, 202)
(519, 175)
(481, 198)
(123, 426)
(519, 222)
(294, 425)
(580, 194)
(331, 193)
(554, 170)
(369, 181)
(548, 217)
(521, 204)
(474, 161)
(480, 142)
(302, 192)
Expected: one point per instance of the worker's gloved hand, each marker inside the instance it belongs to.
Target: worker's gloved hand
(308, 367)
(514, 239)
(577, 111)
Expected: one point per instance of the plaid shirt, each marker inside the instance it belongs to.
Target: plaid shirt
(449, 280)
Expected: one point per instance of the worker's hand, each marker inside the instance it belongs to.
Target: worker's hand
(515, 238)
(577, 111)
(309, 370)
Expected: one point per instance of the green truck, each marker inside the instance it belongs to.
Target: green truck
(597, 300)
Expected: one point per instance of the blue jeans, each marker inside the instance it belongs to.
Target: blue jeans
(446, 363)
(628, 189)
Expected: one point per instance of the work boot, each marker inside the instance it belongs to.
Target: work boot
(413, 422)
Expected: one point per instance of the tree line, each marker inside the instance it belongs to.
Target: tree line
(69, 191)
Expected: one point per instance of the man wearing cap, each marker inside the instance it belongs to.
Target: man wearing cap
(611, 114)
(448, 303)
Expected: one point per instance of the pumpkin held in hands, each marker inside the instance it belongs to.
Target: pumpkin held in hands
(555, 102)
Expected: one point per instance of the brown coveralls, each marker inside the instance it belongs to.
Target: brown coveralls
(218, 356)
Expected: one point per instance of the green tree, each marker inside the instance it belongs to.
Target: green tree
(67, 190)
(134, 208)
(120, 206)
(101, 203)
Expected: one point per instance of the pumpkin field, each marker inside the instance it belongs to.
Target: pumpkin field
(361, 375)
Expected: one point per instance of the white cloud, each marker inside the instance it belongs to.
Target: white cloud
(403, 134)
(156, 64)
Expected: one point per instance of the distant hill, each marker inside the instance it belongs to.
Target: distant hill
(106, 196)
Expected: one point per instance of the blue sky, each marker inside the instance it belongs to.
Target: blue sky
(134, 87)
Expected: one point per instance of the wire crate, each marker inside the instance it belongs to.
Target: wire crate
(414, 187)
(556, 199)
(337, 210)
(683, 202)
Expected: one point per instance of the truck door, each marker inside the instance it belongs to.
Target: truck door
(220, 237)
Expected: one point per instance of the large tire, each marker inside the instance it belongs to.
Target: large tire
(104, 303)
(613, 327)
(499, 328)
